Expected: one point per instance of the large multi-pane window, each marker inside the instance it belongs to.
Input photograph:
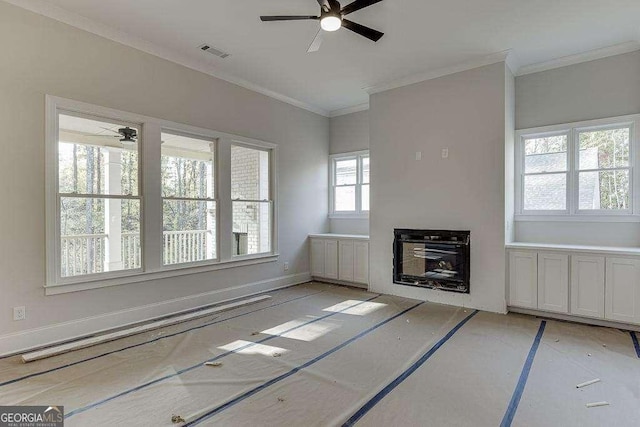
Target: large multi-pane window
(251, 200)
(98, 195)
(188, 205)
(580, 169)
(350, 184)
(132, 198)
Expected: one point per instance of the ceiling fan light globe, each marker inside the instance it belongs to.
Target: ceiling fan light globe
(330, 23)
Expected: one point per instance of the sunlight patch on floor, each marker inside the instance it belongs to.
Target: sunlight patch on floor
(302, 331)
(350, 307)
(248, 347)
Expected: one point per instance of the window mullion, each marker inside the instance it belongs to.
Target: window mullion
(151, 212)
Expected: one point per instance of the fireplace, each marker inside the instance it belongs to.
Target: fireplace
(434, 259)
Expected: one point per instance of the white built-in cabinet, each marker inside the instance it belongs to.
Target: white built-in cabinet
(622, 299)
(587, 286)
(598, 285)
(523, 279)
(553, 282)
(340, 257)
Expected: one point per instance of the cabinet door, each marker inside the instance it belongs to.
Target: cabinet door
(622, 296)
(523, 279)
(346, 264)
(361, 262)
(318, 248)
(587, 286)
(331, 259)
(553, 282)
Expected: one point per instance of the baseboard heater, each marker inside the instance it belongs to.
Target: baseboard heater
(100, 339)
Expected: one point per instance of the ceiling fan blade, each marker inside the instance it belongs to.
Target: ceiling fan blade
(357, 5)
(287, 18)
(317, 41)
(367, 32)
(321, 3)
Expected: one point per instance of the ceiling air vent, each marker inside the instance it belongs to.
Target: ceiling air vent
(212, 50)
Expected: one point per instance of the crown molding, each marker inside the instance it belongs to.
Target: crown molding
(49, 10)
(349, 110)
(591, 55)
(440, 72)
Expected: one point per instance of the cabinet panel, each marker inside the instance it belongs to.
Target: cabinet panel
(523, 279)
(587, 286)
(331, 259)
(622, 296)
(318, 248)
(553, 282)
(361, 262)
(346, 257)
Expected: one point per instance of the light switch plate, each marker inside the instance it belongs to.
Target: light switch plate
(418, 155)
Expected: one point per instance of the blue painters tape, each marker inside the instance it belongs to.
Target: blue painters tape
(396, 382)
(522, 381)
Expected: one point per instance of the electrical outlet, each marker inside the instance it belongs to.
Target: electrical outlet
(445, 153)
(19, 313)
(286, 266)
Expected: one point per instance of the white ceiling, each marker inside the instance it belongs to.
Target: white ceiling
(420, 36)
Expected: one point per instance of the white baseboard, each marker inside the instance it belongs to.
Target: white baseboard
(576, 319)
(62, 332)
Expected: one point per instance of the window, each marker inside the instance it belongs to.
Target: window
(350, 185)
(581, 169)
(188, 204)
(251, 200)
(98, 196)
(131, 198)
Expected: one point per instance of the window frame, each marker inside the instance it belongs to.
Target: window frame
(573, 213)
(270, 150)
(215, 199)
(358, 212)
(150, 194)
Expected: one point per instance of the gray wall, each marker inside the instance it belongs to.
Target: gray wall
(598, 89)
(349, 133)
(606, 87)
(42, 56)
(464, 112)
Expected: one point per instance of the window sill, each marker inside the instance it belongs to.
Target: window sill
(166, 272)
(348, 216)
(578, 218)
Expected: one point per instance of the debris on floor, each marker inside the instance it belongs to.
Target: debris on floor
(214, 364)
(255, 333)
(586, 383)
(177, 419)
(277, 354)
(589, 354)
(596, 404)
(557, 339)
(281, 399)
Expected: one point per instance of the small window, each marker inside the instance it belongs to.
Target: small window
(98, 196)
(578, 170)
(252, 200)
(189, 199)
(604, 169)
(350, 184)
(545, 173)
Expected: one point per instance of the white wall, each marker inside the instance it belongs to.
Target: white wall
(42, 56)
(349, 133)
(606, 87)
(464, 112)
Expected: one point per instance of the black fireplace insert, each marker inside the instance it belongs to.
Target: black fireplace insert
(434, 259)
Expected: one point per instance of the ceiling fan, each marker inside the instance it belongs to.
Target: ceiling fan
(127, 135)
(332, 17)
